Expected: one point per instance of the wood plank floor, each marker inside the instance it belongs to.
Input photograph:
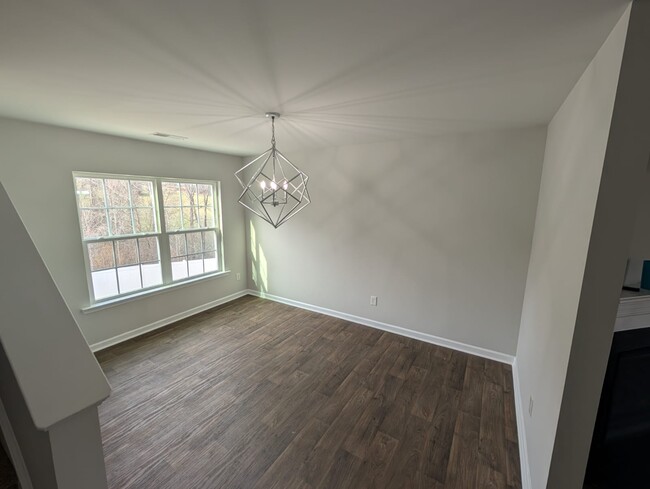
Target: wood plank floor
(260, 395)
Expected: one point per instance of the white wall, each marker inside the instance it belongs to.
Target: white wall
(36, 165)
(439, 229)
(573, 163)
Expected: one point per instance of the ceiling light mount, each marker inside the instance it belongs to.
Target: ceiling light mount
(273, 187)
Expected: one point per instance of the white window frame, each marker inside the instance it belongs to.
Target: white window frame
(162, 234)
(216, 189)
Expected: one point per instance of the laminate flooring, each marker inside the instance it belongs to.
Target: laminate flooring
(260, 395)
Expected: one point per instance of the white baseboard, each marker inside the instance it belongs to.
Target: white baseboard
(436, 340)
(521, 429)
(101, 345)
(13, 448)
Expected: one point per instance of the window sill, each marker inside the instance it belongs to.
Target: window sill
(98, 306)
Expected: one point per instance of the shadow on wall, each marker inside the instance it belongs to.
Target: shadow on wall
(259, 269)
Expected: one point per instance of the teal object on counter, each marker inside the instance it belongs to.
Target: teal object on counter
(645, 275)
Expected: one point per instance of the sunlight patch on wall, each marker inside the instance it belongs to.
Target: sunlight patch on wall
(253, 240)
(263, 270)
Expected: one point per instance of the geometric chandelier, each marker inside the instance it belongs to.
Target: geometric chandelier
(273, 187)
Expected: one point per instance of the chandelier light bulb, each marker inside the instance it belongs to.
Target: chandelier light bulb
(274, 185)
(263, 184)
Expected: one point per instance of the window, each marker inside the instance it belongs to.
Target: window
(128, 248)
(189, 207)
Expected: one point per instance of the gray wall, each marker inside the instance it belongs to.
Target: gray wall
(36, 165)
(626, 159)
(48, 375)
(77, 451)
(573, 164)
(639, 249)
(68, 456)
(33, 443)
(57, 373)
(640, 245)
(439, 229)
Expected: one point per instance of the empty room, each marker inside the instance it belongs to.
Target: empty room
(324, 245)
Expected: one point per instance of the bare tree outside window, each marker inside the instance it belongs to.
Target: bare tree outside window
(190, 206)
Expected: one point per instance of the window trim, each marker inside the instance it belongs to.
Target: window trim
(139, 294)
(161, 234)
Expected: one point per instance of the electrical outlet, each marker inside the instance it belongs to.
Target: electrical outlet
(530, 406)
(239, 276)
(373, 300)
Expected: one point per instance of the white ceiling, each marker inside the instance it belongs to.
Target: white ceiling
(340, 71)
